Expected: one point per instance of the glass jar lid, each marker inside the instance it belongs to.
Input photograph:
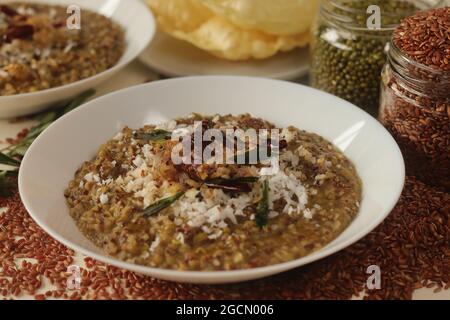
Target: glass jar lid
(360, 15)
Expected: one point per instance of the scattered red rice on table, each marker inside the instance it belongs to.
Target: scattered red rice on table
(411, 247)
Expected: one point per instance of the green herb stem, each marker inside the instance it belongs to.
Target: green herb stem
(11, 155)
(162, 204)
(262, 211)
(156, 135)
(9, 161)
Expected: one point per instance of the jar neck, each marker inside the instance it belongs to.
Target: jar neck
(418, 77)
(353, 14)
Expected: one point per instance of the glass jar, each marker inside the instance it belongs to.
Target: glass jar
(346, 56)
(415, 108)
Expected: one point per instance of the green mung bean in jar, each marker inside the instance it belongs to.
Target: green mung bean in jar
(349, 42)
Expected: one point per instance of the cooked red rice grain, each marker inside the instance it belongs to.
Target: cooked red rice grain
(411, 248)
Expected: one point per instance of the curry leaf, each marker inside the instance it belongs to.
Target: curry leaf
(262, 211)
(44, 119)
(9, 161)
(162, 204)
(155, 135)
(20, 149)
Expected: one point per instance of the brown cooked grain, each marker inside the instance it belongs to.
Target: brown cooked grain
(38, 52)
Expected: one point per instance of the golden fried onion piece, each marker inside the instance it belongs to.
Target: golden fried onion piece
(190, 21)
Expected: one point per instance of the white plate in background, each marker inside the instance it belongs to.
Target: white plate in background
(139, 25)
(51, 161)
(175, 58)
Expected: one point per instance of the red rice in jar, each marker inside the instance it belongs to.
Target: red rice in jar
(415, 102)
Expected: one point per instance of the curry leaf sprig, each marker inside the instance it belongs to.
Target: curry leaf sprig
(44, 120)
(11, 155)
(155, 135)
(9, 161)
(161, 204)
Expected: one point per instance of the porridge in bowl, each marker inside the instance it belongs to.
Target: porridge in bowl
(39, 51)
(137, 203)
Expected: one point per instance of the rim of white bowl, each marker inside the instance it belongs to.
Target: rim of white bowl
(120, 64)
(225, 276)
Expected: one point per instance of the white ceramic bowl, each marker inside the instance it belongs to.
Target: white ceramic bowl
(139, 25)
(53, 158)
